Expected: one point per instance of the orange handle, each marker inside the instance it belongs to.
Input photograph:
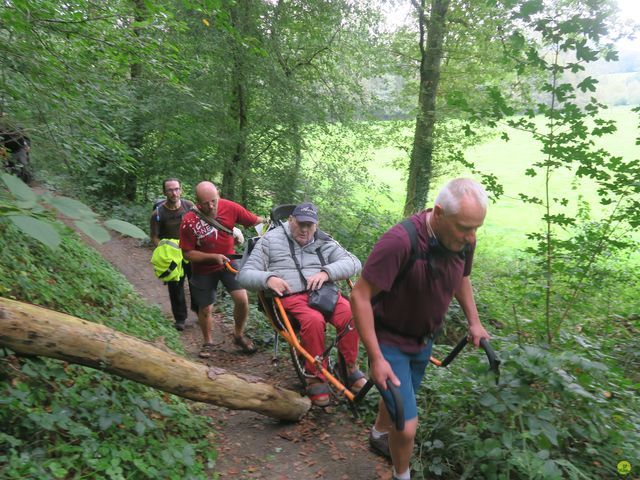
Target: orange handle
(293, 340)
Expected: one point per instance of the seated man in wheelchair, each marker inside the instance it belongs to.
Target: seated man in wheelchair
(293, 259)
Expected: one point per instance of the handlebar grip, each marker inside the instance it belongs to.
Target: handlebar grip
(397, 400)
(494, 361)
(363, 391)
(454, 353)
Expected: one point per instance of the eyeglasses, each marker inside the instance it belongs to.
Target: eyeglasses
(169, 190)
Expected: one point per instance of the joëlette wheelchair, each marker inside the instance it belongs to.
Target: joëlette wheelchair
(336, 371)
(287, 327)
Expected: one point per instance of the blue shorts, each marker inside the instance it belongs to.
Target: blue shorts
(409, 368)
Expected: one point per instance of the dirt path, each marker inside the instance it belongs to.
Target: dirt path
(327, 444)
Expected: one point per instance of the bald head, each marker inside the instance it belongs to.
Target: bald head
(207, 197)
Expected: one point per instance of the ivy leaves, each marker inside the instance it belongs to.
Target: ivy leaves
(21, 206)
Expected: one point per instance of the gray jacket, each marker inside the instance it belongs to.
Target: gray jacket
(271, 256)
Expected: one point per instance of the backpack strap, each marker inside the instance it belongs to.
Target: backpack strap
(211, 221)
(156, 207)
(410, 228)
(320, 257)
(295, 259)
(172, 266)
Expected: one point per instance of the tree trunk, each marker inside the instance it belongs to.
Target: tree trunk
(422, 152)
(135, 136)
(33, 330)
(237, 164)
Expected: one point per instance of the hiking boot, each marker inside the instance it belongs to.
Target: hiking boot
(380, 445)
(179, 326)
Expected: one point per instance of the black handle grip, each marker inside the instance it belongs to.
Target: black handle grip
(494, 361)
(454, 353)
(363, 391)
(397, 400)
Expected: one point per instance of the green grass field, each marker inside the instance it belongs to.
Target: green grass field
(509, 219)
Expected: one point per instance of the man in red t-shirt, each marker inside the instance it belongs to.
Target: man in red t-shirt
(399, 307)
(206, 238)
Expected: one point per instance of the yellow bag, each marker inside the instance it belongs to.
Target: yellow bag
(167, 260)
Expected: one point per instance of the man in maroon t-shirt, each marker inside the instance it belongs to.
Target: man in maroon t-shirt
(206, 238)
(398, 312)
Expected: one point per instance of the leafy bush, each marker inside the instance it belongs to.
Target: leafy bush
(64, 421)
(554, 414)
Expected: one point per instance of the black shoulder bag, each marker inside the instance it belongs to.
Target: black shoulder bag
(323, 299)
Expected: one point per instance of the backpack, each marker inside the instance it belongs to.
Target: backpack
(156, 207)
(417, 254)
(167, 260)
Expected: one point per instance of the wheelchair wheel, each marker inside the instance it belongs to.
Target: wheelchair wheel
(338, 367)
(298, 364)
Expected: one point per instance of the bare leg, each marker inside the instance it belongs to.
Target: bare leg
(240, 310)
(205, 320)
(383, 423)
(401, 445)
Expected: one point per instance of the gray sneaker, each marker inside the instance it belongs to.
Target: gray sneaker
(380, 445)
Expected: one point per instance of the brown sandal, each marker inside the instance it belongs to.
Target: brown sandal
(245, 344)
(205, 350)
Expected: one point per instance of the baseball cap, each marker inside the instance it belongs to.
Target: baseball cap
(306, 212)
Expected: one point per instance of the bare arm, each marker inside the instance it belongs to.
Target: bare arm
(464, 295)
(361, 296)
(154, 227)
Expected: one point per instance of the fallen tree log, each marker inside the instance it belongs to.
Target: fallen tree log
(32, 330)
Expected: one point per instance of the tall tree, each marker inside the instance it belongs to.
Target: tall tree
(235, 167)
(431, 51)
(136, 135)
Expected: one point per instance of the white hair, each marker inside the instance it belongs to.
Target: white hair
(451, 195)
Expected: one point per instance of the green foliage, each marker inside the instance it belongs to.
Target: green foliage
(569, 35)
(65, 421)
(88, 424)
(553, 415)
(22, 208)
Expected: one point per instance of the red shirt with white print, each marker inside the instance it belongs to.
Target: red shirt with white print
(196, 234)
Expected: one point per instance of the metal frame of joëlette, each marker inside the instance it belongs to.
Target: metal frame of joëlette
(291, 338)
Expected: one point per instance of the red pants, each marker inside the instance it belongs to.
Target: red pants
(312, 326)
